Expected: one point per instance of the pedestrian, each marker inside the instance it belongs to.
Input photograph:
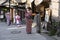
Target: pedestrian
(8, 18)
(28, 16)
(18, 20)
(38, 22)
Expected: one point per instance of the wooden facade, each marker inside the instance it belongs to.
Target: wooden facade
(42, 7)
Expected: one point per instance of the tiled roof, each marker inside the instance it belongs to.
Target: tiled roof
(7, 3)
(1, 1)
(19, 1)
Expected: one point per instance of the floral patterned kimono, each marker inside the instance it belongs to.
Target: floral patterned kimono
(28, 22)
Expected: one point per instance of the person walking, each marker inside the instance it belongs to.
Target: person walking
(18, 21)
(8, 18)
(38, 22)
(28, 16)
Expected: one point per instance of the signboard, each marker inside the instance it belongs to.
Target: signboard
(1, 12)
(1, 16)
(47, 17)
(37, 2)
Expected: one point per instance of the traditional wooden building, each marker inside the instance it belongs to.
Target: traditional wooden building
(4, 6)
(41, 6)
(17, 7)
(14, 6)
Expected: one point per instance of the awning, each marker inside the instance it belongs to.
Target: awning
(37, 2)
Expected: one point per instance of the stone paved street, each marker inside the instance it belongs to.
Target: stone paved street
(18, 33)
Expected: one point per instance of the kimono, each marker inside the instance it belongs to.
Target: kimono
(8, 18)
(28, 22)
(17, 19)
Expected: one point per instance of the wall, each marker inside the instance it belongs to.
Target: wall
(55, 6)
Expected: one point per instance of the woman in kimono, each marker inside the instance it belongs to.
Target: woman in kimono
(8, 18)
(17, 17)
(28, 17)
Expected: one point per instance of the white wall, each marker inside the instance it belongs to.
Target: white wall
(55, 6)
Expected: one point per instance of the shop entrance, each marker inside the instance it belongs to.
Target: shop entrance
(45, 14)
(3, 10)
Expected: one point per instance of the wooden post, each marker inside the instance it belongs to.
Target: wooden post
(11, 15)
